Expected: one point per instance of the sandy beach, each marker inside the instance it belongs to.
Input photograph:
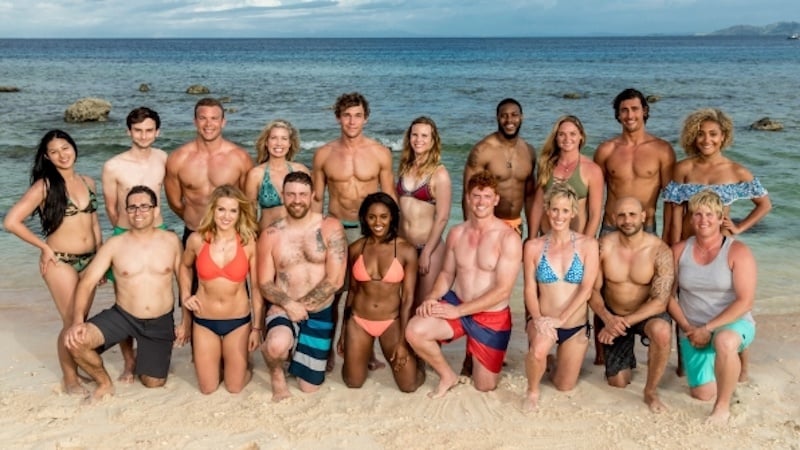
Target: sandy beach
(36, 414)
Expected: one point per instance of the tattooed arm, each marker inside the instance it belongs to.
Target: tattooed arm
(332, 241)
(660, 287)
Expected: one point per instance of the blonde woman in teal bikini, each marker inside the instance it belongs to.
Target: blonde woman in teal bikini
(276, 146)
(67, 207)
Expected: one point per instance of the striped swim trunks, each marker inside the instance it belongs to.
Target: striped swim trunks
(314, 337)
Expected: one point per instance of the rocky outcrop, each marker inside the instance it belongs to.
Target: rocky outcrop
(653, 98)
(766, 124)
(572, 95)
(197, 89)
(88, 110)
(144, 87)
(9, 89)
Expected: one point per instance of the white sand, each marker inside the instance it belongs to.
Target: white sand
(35, 414)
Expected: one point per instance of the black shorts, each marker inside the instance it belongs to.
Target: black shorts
(619, 355)
(154, 338)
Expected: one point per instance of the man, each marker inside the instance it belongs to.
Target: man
(302, 260)
(142, 165)
(631, 296)
(635, 164)
(471, 293)
(511, 160)
(144, 261)
(351, 167)
(196, 168)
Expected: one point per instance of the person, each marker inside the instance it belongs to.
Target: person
(141, 164)
(218, 317)
(716, 285)
(471, 293)
(559, 268)
(380, 297)
(634, 164)
(509, 158)
(197, 167)
(145, 261)
(706, 133)
(630, 297)
(301, 264)
(66, 204)
(276, 148)
(512, 161)
(424, 197)
(351, 167)
(561, 162)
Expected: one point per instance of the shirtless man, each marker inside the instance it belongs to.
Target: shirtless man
(196, 168)
(471, 293)
(635, 164)
(630, 297)
(141, 165)
(301, 264)
(145, 261)
(352, 167)
(511, 160)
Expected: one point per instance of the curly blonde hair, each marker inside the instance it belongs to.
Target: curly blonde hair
(261, 141)
(246, 224)
(550, 151)
(691, 129)
(432, 158)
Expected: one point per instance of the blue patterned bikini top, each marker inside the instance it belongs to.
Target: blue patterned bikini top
(545, 273)
(681, 192)
(268, 196)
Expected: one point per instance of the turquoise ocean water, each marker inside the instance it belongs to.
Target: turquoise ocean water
(457, 82)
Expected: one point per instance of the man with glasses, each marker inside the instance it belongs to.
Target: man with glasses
(144, 261)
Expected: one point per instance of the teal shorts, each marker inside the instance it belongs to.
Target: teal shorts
(699, 362)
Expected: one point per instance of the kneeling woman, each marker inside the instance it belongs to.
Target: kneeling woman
(560, 269)
(223, 249)
(379, 300)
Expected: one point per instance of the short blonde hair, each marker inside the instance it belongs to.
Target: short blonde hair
(559, 189)
(691, 129)
(709, 199)
(261, 142)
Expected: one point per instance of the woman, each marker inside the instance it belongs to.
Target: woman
(706, 133)
(67, 207)
(424, 197)
(223, 250)
(716, 284)
(562, 162)
(560, 270)
(380, 297)
(276, 146)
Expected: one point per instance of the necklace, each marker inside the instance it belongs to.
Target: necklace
(509, 157)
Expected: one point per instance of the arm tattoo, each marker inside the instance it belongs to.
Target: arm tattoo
(661, 287)
(273, 293)
(338, 245)
(319, 295)
(320, 241)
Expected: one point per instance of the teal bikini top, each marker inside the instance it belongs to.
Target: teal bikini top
(545, 273)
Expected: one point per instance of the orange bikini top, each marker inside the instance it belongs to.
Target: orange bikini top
(395, 274)
(236, 270)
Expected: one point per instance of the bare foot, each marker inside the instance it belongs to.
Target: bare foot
(280, 390)
(375, 364)
(101, 393)
(75, 389)
(744, 376)
(654, 403)
(531, 402)
(126, 377)
(331, 362)
(445, 384)
(718, 417)
(679, 371)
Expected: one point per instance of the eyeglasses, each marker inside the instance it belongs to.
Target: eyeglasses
(143, 208)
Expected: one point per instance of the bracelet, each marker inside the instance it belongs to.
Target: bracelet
(255, 329)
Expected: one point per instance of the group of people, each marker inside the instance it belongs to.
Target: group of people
(262, 267)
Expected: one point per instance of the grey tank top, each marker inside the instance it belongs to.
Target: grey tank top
(705, 290)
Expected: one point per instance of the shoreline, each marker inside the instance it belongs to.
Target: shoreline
(37, 415)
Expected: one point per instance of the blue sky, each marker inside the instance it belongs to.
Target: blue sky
(391, 18)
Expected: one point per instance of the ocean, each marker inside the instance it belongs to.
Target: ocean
(457, 82)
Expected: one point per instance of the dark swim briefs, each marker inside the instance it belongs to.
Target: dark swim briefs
(619, 355)
(488, 333)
